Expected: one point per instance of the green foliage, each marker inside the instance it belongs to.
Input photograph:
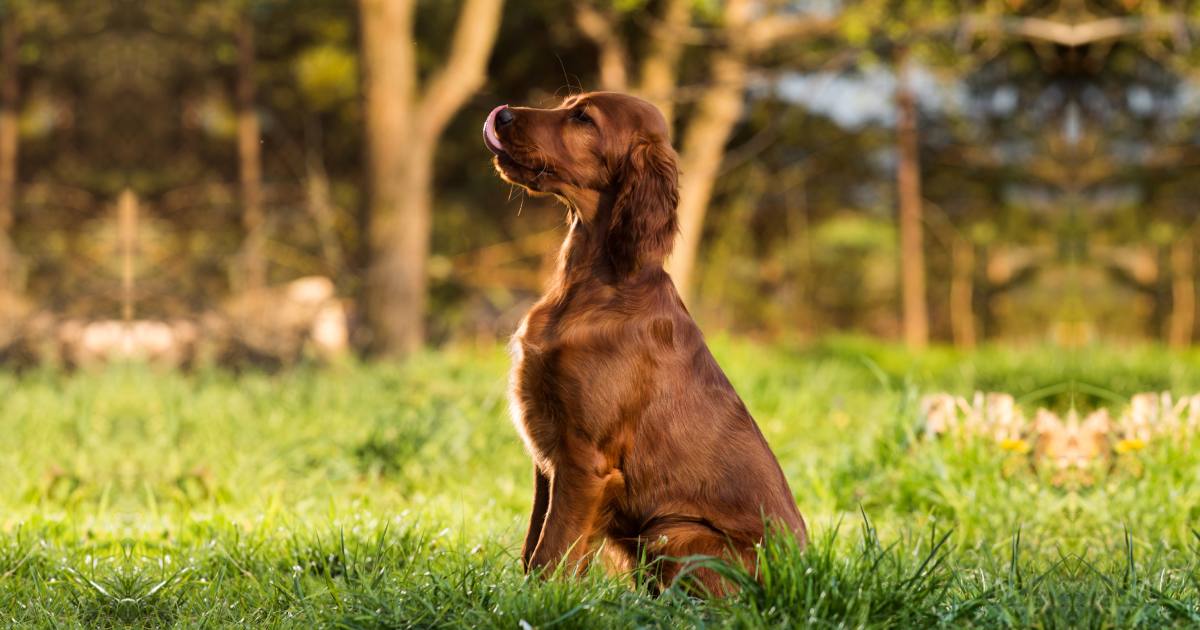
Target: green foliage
(855, 232)
(327, 75)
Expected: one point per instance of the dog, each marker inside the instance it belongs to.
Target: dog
(639, 442)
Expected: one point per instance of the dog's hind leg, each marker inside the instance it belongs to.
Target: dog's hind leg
(673, 548)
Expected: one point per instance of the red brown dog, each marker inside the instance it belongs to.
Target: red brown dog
(637, 437)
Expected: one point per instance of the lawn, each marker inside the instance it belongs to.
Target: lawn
(395, 495)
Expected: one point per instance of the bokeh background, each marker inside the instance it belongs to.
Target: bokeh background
(944, 249)
(933, 171)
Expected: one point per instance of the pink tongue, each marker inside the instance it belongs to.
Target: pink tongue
(489, 129)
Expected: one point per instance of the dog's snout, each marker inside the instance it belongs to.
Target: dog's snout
(504, 117)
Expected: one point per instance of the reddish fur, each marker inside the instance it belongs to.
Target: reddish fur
(638, 438)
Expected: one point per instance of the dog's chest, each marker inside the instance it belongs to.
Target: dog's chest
(534, 402)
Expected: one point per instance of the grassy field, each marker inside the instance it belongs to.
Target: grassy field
(396, 495)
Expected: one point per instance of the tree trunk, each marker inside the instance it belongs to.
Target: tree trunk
(660, 67)
(658, 73)
(396, 277)
(1183, 293)
(253, 274)
(403, 127)
(962, 294)
(908, 188)
(717, 109)
(320, 207)
(600, 27)
(9, 112)
(127, 222)
(703, 150)
(704, 141)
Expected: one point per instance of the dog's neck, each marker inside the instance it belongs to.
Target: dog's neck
(584, 257)
(584, 264)
(593, 207)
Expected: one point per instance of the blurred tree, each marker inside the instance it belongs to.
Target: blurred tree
(744, 30)
(703, 145)
(953, 38)
(327, 75)
(1055, 140)
(1183, 292)
(745, 34)
(903, 32)
(9, 112)
(1123, 68)
(404, 123)
(253, 272)
(665, 41)
(910, 201)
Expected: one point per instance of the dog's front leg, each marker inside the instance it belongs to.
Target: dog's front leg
(541, 501)
(575, 496)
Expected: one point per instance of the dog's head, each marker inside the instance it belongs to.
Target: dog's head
(593, 145)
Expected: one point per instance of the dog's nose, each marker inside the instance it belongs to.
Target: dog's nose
(504, 117)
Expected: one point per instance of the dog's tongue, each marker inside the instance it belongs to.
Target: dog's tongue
(490, 139)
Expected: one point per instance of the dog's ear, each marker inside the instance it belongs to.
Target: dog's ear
(643, 217)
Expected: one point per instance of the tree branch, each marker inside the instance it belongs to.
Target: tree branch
(465, 67)
(1074, 35)
(770, 31)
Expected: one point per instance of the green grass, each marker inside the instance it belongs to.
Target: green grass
(395, 496)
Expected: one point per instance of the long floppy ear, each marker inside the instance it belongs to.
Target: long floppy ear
(643, 217)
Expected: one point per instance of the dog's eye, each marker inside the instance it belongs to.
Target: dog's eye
(580, 115)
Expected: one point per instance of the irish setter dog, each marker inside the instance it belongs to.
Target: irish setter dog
(638, 439)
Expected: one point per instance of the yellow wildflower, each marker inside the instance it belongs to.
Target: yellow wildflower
(1130, 445)
(1015, 445)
